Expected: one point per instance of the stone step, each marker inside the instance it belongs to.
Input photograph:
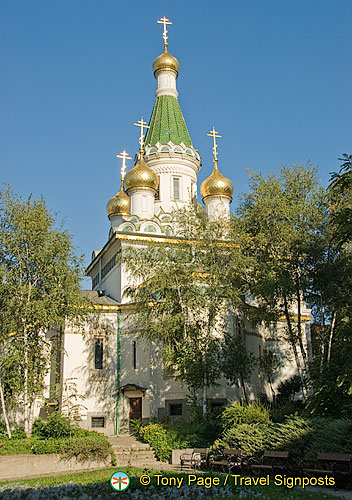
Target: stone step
(129, 451)
(136, 456)
(130, 448)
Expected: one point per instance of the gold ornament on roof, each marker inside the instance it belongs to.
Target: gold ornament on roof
(141, 176)
(120, 203)
(216, 184)
(165, 60)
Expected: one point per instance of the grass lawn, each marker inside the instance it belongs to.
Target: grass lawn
(94, 485)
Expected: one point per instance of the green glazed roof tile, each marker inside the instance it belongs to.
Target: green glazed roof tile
(167, 123)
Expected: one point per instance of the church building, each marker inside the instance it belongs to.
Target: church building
(116, 375)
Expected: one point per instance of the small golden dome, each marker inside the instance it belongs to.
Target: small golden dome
(119, 204)
(166, 61)
(216, 184)
(141, 176)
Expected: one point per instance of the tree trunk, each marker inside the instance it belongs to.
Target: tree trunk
(294, 346)
(205, 394)
(322, 339)
(4, 412)
(272, 391)
(26, 415)
(332, 328)
(299, 334)
(243, 385)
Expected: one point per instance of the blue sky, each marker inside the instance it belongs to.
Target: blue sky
(273, 77)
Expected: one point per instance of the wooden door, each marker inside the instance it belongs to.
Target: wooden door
(135, 408)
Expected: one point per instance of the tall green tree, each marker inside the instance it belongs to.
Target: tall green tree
(237, 363)
(40, 278)
(283, 214)
(340, 191)
(333, 381)
(181, 296)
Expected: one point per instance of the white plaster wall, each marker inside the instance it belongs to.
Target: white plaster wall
(217, 206)
(142, 203)
(169, 165)
(97, 387)
(111, 284)
(166, 83)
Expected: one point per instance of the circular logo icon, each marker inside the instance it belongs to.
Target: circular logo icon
(120, 481)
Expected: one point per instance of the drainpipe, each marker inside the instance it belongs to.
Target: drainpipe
(118, 371)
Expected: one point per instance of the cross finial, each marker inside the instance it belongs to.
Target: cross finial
(124, 156)
(165, 22)
(142, 124)
(214, 134)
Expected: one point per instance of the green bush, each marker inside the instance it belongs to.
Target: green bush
(236, 414)
(304, 438)
(17, 433)
(158, 438)
(46, 446)
(87, 449)
(164, 436)
(15, 446)
(55, 426)
(286, 409)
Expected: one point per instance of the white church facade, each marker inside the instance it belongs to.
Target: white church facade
(117, 375)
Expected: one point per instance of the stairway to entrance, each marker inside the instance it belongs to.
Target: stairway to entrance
(130, 452)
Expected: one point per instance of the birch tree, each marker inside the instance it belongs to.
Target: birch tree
(181, 296)
(283, 214)
(39, 289)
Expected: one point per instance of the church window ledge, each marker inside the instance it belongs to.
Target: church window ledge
(165, 218)
(174, 407)
(149, 229)
(127, 229)
(167, 230)
(99, 354)
(98, 422)
(134, 354)
(176, 181)
(98, 375)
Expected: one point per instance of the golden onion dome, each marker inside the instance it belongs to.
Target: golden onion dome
(166, 61)
(216, 184)
(141, 176)
(119, 204)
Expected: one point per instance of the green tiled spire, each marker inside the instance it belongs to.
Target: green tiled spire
(167, 123)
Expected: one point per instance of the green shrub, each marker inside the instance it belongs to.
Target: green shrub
(164, 436)
(158, 438)
(286, 409)
(87, 449)
(15, 446)
(236, 414)
(304, 438)
(44, 446)
(55, 426)
(17, 433)
(288, 388)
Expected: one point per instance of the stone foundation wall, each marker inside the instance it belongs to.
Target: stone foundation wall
(26, 466)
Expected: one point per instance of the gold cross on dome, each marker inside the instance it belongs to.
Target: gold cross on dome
(165, 22)
(124, 156)
(142, 124)
(214, 134)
